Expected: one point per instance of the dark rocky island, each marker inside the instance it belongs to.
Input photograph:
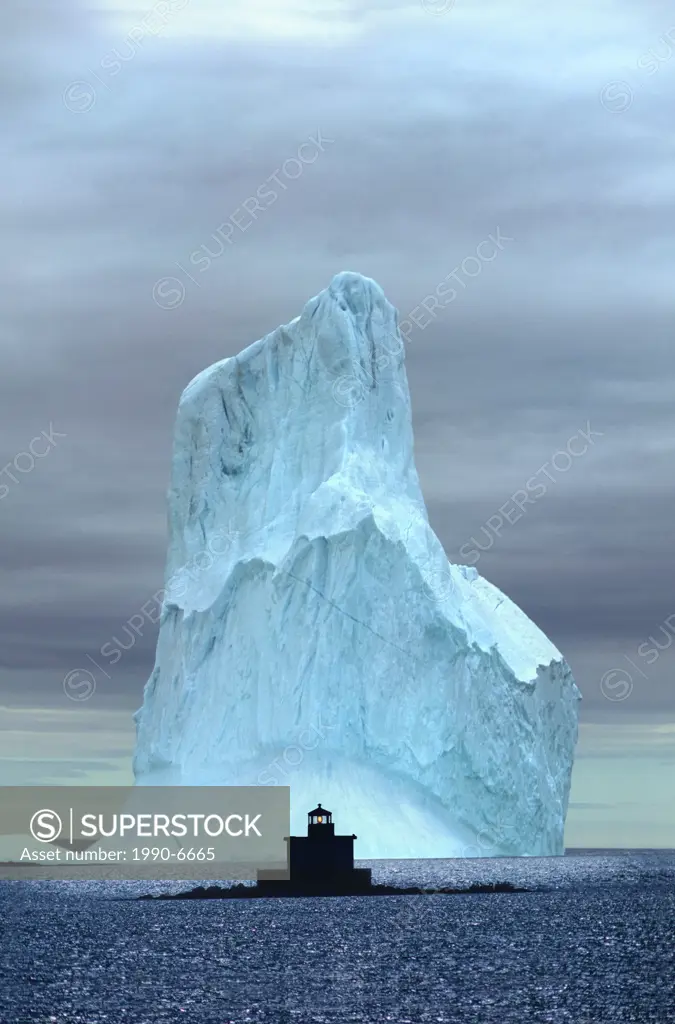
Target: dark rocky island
(252, 892)
(321, 864)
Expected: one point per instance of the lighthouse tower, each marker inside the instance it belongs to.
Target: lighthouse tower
(320, 861)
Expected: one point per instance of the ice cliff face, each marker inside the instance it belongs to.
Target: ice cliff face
(313, 633)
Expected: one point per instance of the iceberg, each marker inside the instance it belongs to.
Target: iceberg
(313, 633)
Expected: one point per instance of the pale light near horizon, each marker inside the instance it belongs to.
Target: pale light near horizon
(302, 20)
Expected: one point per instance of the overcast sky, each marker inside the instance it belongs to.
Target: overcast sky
(136, 132)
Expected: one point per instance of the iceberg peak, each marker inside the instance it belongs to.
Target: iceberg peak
(313, 632)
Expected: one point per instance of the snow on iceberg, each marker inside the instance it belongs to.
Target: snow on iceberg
(313, 633)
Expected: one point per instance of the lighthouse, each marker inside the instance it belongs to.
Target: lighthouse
(320, 863)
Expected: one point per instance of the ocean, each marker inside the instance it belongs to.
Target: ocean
(593, 942)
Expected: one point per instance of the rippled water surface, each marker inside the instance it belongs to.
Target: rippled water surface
(594, 941)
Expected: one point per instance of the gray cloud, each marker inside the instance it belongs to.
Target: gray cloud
(443, 130)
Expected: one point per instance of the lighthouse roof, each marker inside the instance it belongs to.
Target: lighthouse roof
(319, 810)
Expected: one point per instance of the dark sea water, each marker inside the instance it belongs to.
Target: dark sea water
(593, 942)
